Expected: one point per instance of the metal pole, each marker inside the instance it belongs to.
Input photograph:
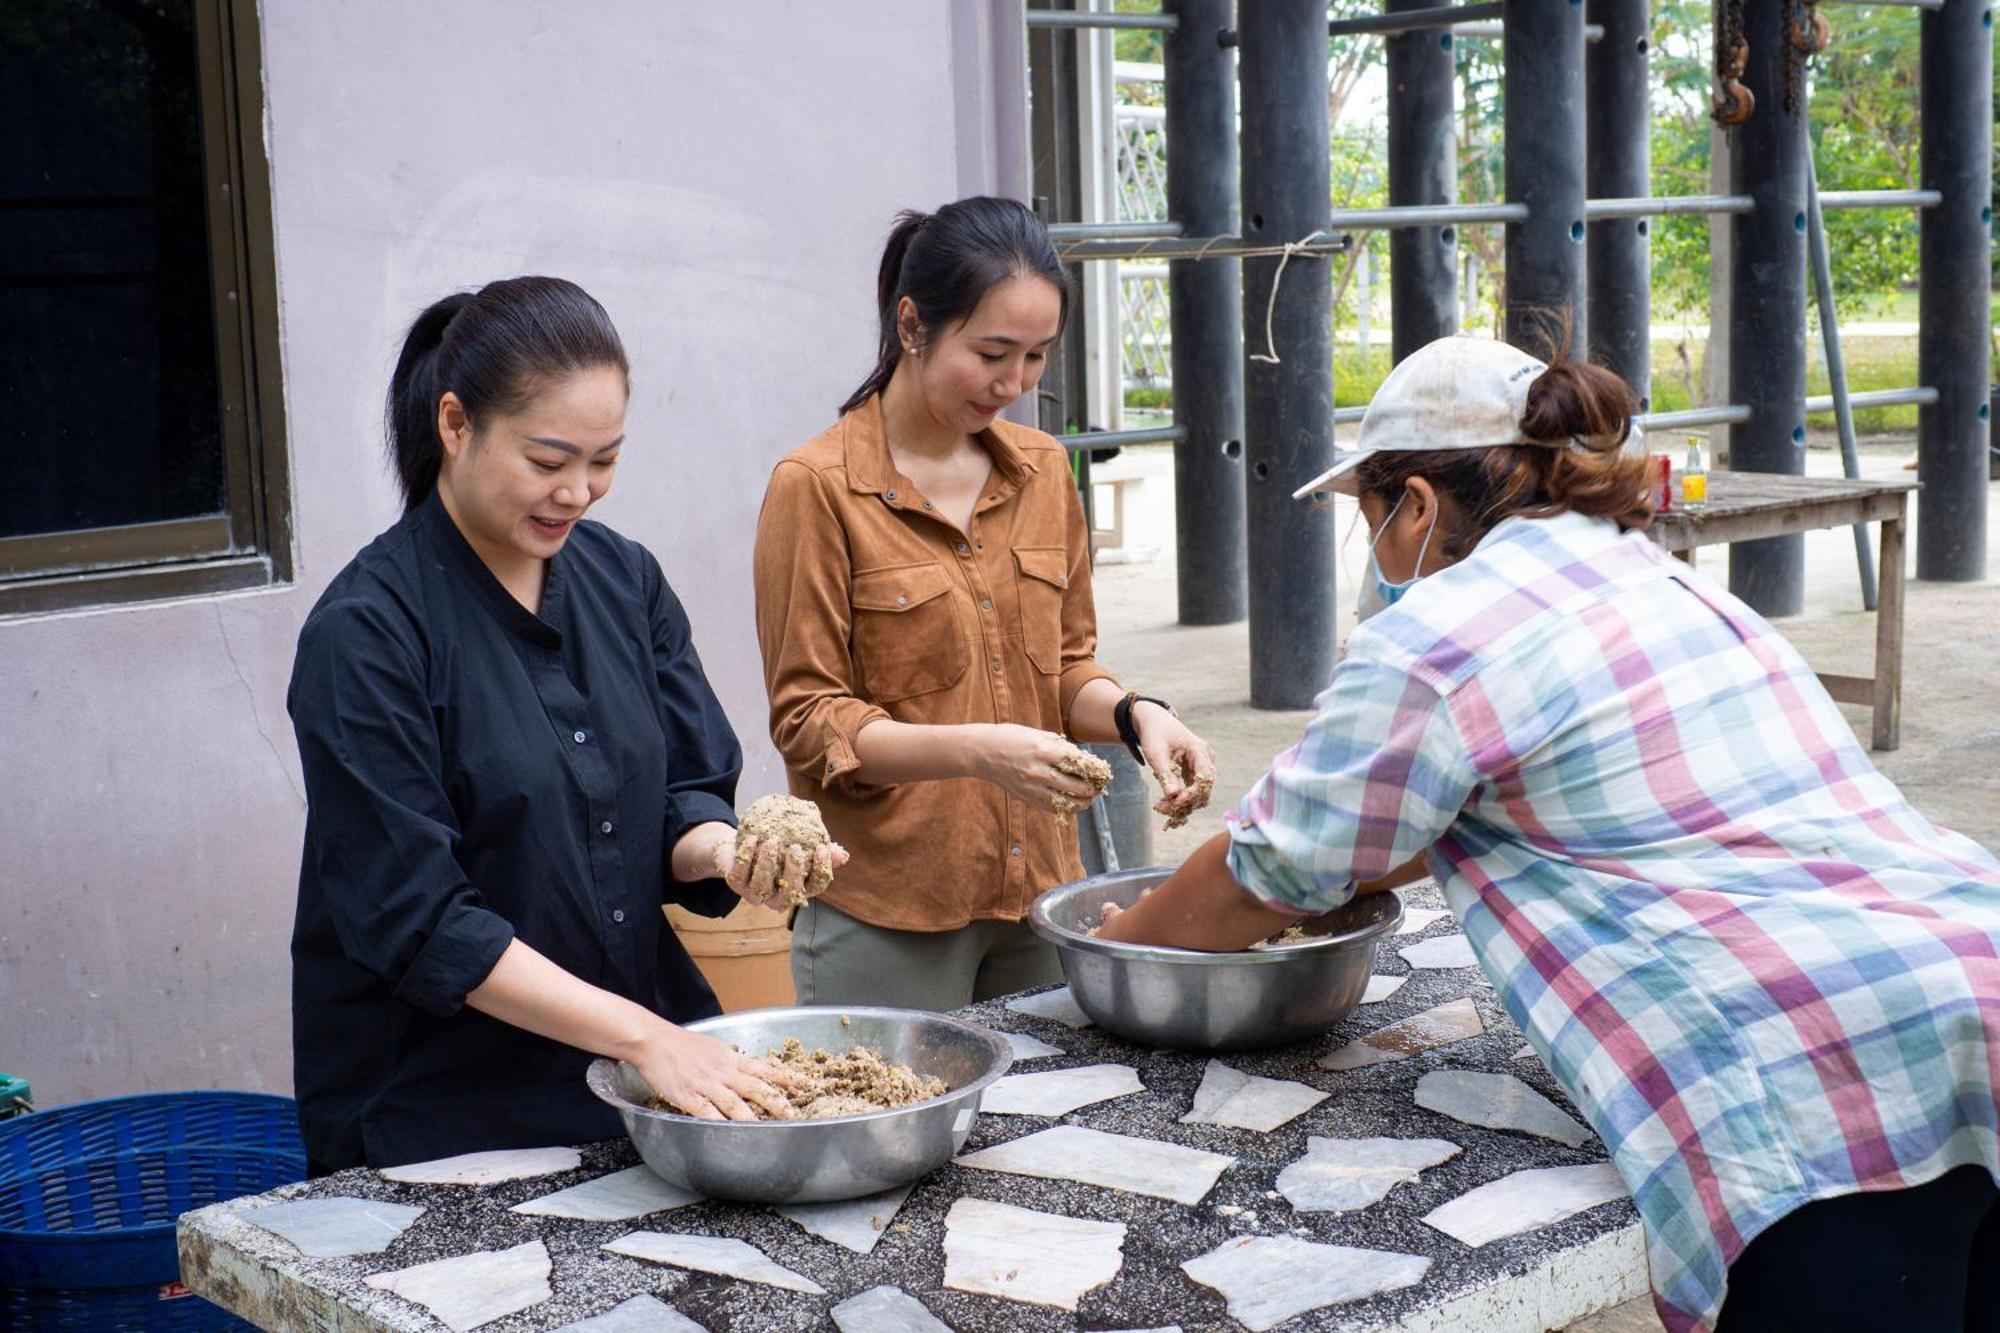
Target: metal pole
(1920, 397)
(1411, 18)
(1100, 18)
(1427, 215)
(1423, 169)
(1620, 260)
(1061, 232)
(1591, 32)
(1055, 145)
(1767, 325)
(1107, 439)
(1836, 366)
(1839, 199)
(1731, 414)
(1287, 325)
(1416, 16)
(1543, 52)
(1596, 210)
(1952, 324)
(1205, 302)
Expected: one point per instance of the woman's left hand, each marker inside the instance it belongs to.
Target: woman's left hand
(1183, 762)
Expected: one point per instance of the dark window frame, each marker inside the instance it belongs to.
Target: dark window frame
(249, 544)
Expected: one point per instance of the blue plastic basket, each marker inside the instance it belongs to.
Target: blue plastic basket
(89, 1194)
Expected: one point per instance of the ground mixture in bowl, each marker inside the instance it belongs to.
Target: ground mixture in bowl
(853, 1082)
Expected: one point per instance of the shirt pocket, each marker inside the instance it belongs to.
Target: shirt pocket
(1044, 578)
(907, 639)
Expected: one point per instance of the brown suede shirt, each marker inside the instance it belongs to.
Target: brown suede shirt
(871, 605)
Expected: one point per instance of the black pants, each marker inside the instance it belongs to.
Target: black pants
(1923, 1260)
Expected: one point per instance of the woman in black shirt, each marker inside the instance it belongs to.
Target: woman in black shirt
(512, 759)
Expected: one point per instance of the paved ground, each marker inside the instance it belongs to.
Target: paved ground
(1951, 707)
(1948, 764)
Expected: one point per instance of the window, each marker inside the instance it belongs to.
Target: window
(141, 438)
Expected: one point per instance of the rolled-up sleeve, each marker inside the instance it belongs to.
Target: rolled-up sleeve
(704, 759)
(1379, 776)
(1079, 612)
(385, 837)
(804, 618)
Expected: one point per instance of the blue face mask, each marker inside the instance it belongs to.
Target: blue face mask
(1391, 593)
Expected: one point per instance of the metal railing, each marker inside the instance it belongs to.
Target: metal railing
(1065, 18)
(1107, 439)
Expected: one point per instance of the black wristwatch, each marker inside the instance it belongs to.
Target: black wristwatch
(1121, 718)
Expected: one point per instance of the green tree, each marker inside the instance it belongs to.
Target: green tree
(1862, 114)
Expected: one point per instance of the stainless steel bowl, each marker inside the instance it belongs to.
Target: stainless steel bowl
(811, 1161)
(1193, 1001)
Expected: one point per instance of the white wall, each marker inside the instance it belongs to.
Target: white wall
(721, 176)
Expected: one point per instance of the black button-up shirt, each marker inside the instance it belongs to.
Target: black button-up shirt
(475, 774)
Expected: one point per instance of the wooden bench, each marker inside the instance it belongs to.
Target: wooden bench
(1746, 506)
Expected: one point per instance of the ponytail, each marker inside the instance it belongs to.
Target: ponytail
(888, 294)
(946, 262)
(414, 447)
(495, 349)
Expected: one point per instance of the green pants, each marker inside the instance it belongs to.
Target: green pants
(837, 960)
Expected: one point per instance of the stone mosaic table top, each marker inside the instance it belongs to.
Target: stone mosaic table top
(971, 1248)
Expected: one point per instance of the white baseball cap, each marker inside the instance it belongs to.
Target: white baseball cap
(1455, 393)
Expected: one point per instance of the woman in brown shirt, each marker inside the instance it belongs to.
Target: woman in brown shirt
(925, 613)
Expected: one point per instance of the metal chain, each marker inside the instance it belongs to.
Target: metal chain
(1732, 102)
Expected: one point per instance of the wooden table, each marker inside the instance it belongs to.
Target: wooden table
(1746, 506)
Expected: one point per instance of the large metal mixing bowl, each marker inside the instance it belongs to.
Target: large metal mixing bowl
(1193, 1001)
(810, 1161)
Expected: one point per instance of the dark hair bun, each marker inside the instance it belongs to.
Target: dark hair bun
(1574, 399)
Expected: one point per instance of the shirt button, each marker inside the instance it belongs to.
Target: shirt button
(579, 738)
(902, 601)
(892, 495)
(985, 604)
(1015, 852)
(996, 664)
(619, 916)
(605, 827)
(927, 504)
(963, 549)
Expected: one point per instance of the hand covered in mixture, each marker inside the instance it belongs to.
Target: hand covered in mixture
(704, 1078)
(1182, 762)
(780, 855)
(1039, 767)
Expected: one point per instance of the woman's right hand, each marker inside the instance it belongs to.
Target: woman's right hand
(1022, 761)
(707, 1079)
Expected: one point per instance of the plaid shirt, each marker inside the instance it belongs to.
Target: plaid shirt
(1761, 974)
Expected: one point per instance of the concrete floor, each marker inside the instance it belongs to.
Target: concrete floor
(1948, 763)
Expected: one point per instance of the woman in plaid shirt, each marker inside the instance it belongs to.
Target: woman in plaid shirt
(1771, 985)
